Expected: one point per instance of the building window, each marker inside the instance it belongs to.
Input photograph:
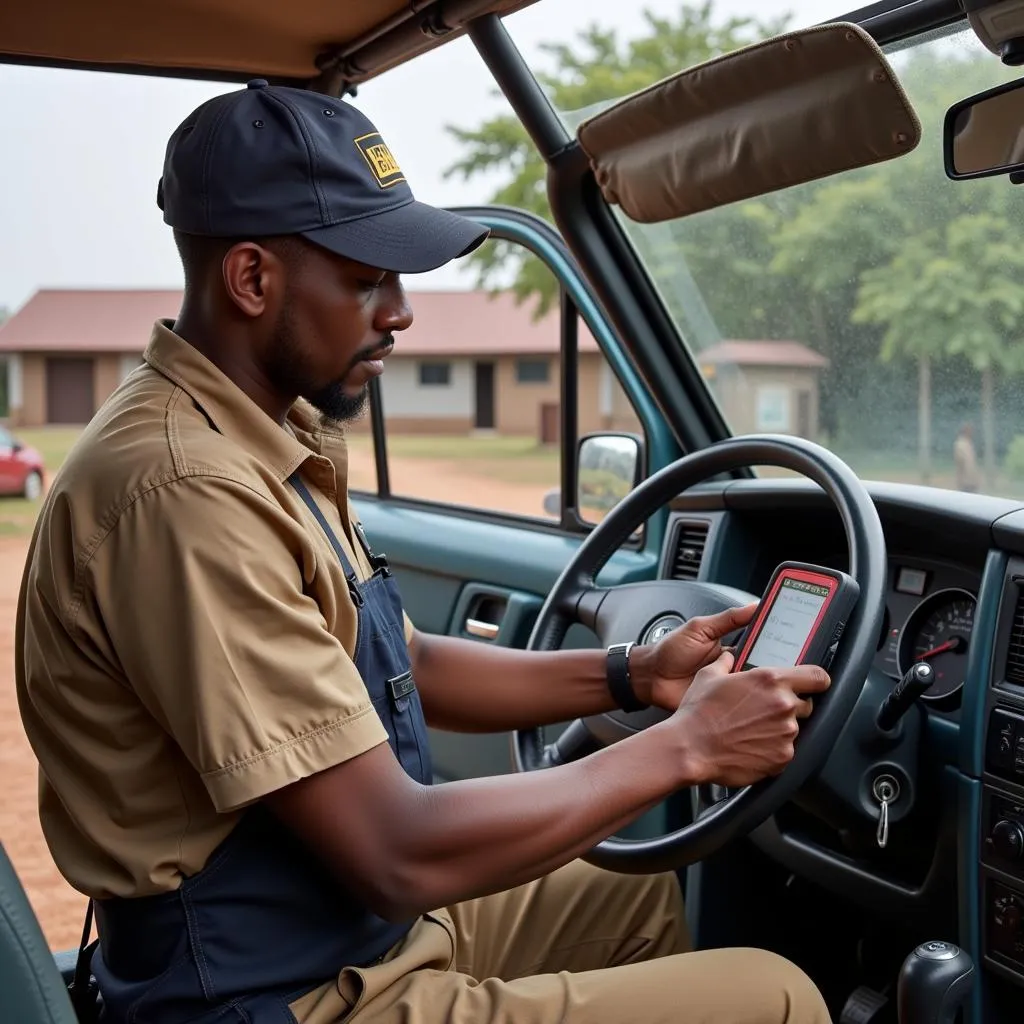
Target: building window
(435, 374)
(532, 371)
(773, 408)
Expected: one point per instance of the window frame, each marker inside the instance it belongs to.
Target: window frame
(534, 361)
(426, 364)
(775, 398)
(576, 301)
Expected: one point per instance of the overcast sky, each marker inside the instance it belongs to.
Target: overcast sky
(82, 151)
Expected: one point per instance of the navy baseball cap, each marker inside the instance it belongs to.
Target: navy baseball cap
(271, 160)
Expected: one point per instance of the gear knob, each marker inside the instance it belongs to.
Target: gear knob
(933, 984)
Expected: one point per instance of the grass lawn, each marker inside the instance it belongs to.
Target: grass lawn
(18, 516)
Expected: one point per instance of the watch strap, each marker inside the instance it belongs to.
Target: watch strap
(619, 682)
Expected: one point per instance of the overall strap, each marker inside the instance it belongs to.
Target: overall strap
(83, 990)
(303, 492)
(378, 563)
(350, 574)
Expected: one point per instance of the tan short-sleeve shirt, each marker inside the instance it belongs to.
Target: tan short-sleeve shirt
(184, 631)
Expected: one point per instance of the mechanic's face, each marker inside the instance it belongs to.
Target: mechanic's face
(333, 329)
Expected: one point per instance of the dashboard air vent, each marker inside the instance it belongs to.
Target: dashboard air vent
(690, 541)
(1015, 651)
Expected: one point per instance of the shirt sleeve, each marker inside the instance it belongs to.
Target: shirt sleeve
(202, 587)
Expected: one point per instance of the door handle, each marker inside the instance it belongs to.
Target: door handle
(481, 629)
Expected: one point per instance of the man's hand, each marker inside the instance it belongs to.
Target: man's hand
(740, 727)
(662, 672)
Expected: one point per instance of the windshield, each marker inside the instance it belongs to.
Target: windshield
(879, 312)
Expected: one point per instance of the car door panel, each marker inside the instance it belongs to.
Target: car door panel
(451, 569)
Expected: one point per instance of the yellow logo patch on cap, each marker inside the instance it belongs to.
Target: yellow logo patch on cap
(380, 159)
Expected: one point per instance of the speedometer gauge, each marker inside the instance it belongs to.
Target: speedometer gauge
(939, 631)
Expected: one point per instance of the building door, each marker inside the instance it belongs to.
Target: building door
(69, 390)
(484, 418)
(550, 422)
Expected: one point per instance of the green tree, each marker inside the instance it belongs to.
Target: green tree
(841, 227)
(956, 291)
(864, 252)
(594, 70)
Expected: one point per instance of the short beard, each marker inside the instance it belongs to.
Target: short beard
(336, 406)
(290, 374)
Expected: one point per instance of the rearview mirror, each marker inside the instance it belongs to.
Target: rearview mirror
(608, 468)
(984, 134)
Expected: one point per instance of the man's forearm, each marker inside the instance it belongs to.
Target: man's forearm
(461, 840)
(468, 686)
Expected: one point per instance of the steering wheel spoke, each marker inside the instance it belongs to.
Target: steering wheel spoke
(574, 741)
(645, 612)
(587, 605)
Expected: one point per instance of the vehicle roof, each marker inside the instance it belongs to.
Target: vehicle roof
(295, 42)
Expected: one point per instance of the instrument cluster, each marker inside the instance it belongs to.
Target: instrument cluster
(929, 616)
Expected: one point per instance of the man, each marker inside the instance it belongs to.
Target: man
(229, 705)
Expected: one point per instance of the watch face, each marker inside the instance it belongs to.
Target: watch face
(662, 627)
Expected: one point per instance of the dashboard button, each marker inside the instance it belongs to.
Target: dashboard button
(1005, 746)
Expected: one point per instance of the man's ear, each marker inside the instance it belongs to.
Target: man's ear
(253, 277)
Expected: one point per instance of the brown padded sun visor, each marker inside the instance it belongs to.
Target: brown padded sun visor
(782, 112)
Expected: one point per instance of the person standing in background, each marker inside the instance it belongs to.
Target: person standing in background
(965, 460)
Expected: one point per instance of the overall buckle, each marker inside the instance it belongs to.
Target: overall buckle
(400, 686)
(354, 590)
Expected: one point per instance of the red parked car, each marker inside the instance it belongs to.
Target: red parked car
(21, 467)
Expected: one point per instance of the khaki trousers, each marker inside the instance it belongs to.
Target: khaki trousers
(580, 946)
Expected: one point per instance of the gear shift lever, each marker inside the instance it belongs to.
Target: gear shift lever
(934, 982)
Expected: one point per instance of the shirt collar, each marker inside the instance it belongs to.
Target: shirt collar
(233, 413)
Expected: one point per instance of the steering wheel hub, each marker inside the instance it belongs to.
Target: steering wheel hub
(661, 627)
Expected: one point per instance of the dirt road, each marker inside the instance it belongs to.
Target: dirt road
(58, 906)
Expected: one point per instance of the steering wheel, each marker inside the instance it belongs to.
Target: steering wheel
(634, 611)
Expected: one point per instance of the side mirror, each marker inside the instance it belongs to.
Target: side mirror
(984, 134)
(608, 467)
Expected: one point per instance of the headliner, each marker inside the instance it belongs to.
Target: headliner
(286, 42)
(323, 44)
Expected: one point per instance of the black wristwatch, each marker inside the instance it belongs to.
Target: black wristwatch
(619, 682)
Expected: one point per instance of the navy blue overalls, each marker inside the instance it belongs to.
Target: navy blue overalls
(265, 921)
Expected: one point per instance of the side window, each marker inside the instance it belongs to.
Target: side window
(435, 375)
(471, 394)
(533, 371)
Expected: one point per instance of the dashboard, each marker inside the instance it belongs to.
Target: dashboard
(955, 598)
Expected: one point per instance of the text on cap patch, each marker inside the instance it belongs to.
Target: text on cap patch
(380, 159)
